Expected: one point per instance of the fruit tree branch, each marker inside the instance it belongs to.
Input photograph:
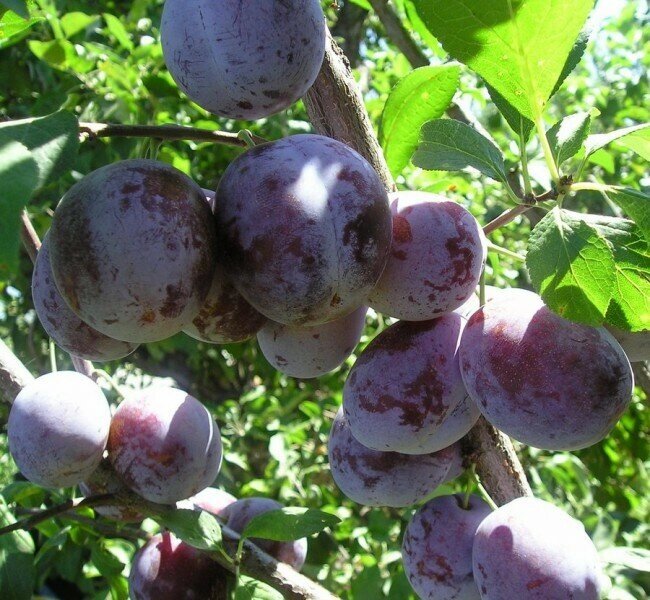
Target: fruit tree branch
(336, 109)
(14, 376)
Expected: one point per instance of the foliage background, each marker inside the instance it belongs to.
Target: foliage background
(102, 61)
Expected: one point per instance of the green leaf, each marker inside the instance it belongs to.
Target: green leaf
(421, 96)
(117, 30)
(17, 573)
(579, 47)
(518, 123)
(448, 145)
(18, 6)
(52, 140)
(105, 561)
(290, 523)
(571, 266)
(19, 174)
(197, 528)
(600, 140)
(251, 589)
(639, 142)
(74, 22)
(519, 47)
(636, 205)
(62, 55)
(14, 28)
(566, 136)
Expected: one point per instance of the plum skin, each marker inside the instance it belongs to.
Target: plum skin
(546, 381)
(164, 444)
(437, 548)
(307, 352)
(133, 249)
(239, 513)
(532, 550)
(57, 429)
(304, 227)
(375, 478)
(243, 60)
(67, 330)
(166, 568)
(436, 258)
(405, 384)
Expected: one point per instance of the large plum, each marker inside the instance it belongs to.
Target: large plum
(164, 444)
(544, 380)
(166, 568)
(306, 352)
(529, 549)
(436, 258)
(305, 227)
(243, 59)
(377, 478)
(57, 429)
(67, 330)
(133, 249)
(636, 344)
(437, 548)
(239, 513)
(405, 384)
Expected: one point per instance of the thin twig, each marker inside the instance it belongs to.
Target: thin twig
(506, 217)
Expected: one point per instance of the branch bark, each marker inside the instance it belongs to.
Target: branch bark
(336, 109)
(14, 376)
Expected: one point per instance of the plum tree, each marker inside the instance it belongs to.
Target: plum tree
(164, 444)
(306, 352)
(225, 316)
(376, 478)
(304, 227)
(239, 514)
(58, 427)
(243, 60)
(531, 550)
(435, 261)
(636, 344)
(67, 330)
(405, 384)
(166, 568)
(437, 548)
(133, 249)
(213, 500)
(546, 381)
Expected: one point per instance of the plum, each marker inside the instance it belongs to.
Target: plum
(166, 568)
(308, 352)
(636, 344)
(225, 316)
(456, 424)
(531, 550)
(67, 330)
(213, 500)
(437, 548)
(546, 381)
(436, 258)
(57, 429)
(239, 513)
(132, 250)
(243, 60)
(164, 444)
(376, 478)
(110, 485)
(304, 227)
(405, 384)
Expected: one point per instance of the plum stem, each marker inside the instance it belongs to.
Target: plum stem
(471, 481)
(247, 136)
(100, 373)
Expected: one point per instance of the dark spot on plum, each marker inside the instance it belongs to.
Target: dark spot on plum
(401, 230)
(275, 94)
(245, 104)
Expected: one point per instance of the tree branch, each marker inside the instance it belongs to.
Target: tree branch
(336, 109)
(14, 376)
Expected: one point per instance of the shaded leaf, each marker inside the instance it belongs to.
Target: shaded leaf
(61, 54)
(636, 205)
(251, 589)
(290, 523)
(14, 28)
(17, 573)
(18, 6)
(197, 528)
(566, 136)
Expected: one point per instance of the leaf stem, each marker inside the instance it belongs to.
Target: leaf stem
(528, 189)
(505, 252)
(471, 482)
(548, 153)
(589, 185)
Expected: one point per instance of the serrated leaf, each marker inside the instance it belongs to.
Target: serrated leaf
(636, 205)
(600, 140)
(639, 142)
(448, 145)
(519, 47)
(571, 266)
(575, 55)
(566, 136)
(290, 523)
(421, 96)
(197, 528)
(52, 140)
(18, 6)
(76, 21)
(251, 589)
(14, 28)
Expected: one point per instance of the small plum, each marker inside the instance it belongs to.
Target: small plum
(530, 549)
(546, 381)
(307, 352)
(437, 548)
(374, 478)
(243, 60)
(164, 444)
(404, 386)
(304, 228)
(58, 427)
(436, 258)
(67, 330)
(239, 513)
(133, 249)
